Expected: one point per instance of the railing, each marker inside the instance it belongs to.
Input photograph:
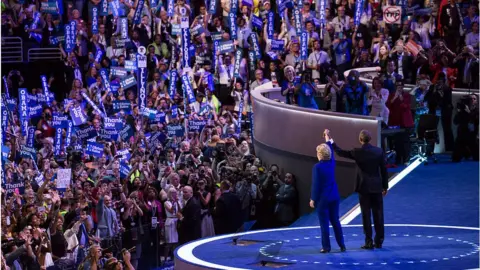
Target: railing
(12, 50)
(42, 54)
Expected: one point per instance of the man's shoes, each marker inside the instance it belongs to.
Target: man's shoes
(368, 246)
(343, 249)
(324, 250)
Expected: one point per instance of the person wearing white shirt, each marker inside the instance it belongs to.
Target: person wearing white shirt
(424, 30)
(472, 38)
(342, 21)
(316, 59)
(377, 98)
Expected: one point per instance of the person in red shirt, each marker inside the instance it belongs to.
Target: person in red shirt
(400, 115)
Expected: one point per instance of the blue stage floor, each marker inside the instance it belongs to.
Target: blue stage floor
(432, 219)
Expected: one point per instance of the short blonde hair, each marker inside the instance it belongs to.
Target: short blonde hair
(324, 152)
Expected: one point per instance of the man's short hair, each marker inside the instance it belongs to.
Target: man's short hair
(365, 136)
(225, 185)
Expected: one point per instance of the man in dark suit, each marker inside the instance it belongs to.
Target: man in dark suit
(439, 97)
(371, 184)
(227, 211)
(404, 63)
(190, 218)
(390, 77)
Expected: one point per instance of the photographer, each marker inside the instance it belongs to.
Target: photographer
(467, 118)
(246, 190)
(467, 65)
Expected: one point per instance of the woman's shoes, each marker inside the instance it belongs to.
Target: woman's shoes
(324, 250)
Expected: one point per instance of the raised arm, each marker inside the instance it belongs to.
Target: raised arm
(336, 148)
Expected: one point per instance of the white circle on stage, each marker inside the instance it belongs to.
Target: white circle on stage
(185, 252)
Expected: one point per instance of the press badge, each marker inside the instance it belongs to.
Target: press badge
(154, 222)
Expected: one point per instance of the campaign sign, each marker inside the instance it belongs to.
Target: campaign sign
(175, 130)
(114, 86)
(5, 152)
(70, 36)
(150, 113)
(197, 30)
(57, 147)
(392, 14)
(118, 72)
(323, 17)
(142, 81)
(124, 154)
(170, 8)
(36, 111)
(10, 188)
(188, 88)
(248, 3)
(31, 136)
(130, 65)
(113, 123)
(64, 178)
(4, 118)
(94, 20)
(257, 22)
(105, 80)
(115, 7)
(270, 24)
(11, 103)
(124, 169)
(46, 91)
(185, 47)
(159, 118)
(196, 125)
(297, 18)
(157, 138)
(78, 116)
(256, 46)
(278, 44)
(176, 29)
(238, 60)
(137, 16)
(172, 83)
(104, 8)
(60, 121)
(122, 105)
(232, 18)
(94, 149)
(28, 152)
(304, 46)
(128, 82)
(68, 138)
(212, 8)
(126, 133)
(226, 46)
(174, 111)
(358, 12)
(23, 110)
(94, 106)
(108, 134)
(86, 133)
(216, 35)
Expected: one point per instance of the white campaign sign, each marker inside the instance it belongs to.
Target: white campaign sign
(392, 14)
(63, 178)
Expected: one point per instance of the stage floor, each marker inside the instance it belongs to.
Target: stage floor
(432, 222)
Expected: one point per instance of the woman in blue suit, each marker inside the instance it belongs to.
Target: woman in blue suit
(325, 197)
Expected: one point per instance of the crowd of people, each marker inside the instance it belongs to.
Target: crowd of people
(151, 146)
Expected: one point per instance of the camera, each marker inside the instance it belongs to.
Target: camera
(464, 103)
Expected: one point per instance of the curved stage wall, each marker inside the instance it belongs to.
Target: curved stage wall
(288, 135)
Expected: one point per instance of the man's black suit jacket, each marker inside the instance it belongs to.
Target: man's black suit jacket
(372, 174)
(228, 213)
(190, 227)
(408, 68)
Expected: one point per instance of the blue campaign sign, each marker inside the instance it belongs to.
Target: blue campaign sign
(36, 111)
(109, 134)
(196, 125)
(28, 152)
(128, 82)
(5, 152)
(78, 116)
(175, 130)
(226, 46)
(126, 133)
(124, 154)
(122, 105)
(59, 121)
(159, 118)
(94, 149)
(86, 133)
(113, 123)
(157, 138)
(278, 44)
(130, 65)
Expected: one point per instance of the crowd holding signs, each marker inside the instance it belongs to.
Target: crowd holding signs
(158, 104)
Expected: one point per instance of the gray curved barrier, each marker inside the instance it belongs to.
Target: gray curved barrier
(288, 135)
